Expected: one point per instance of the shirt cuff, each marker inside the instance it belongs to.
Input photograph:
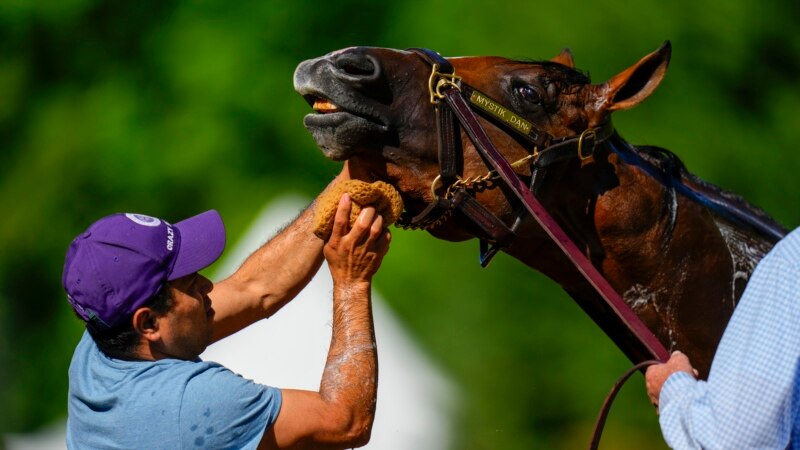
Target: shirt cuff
(677, 385)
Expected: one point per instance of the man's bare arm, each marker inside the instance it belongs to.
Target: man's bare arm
(271, 277)
(341, 414)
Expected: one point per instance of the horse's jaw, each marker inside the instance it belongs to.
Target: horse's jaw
(341, 135)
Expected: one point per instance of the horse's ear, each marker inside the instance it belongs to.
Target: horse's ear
(565, 58)
(637, 82)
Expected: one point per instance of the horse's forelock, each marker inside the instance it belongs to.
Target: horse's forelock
(560, 73)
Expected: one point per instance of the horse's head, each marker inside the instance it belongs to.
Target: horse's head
(372, 108)
(679, 272)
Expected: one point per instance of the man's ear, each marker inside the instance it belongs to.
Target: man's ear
(145, 322)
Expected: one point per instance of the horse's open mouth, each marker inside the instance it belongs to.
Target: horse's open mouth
(323, 106)
(339, 131)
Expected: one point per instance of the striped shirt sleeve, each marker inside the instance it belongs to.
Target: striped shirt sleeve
(751, 397)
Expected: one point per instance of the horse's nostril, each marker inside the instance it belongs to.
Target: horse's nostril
(353, 64)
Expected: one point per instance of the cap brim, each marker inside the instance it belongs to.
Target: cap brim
(202, 240)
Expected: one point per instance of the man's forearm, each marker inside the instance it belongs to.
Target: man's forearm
(341, 414)
(269, 278)
(350, 378)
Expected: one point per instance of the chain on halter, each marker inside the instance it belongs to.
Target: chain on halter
(480, 183)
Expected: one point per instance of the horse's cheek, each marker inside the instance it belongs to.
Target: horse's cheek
(633, 207)
(622, 215)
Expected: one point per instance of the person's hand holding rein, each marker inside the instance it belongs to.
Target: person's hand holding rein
(657, 375)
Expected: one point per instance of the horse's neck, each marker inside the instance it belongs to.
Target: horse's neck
(679, 266)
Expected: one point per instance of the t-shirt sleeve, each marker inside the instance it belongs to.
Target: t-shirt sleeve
(220, 409)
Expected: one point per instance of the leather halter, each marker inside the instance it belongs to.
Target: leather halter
(455, 106)
(545, 150)
(448, 94)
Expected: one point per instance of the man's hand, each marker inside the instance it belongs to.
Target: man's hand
(657, 374)
(354, 255)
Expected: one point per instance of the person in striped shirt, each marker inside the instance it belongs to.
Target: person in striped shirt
(752, 395)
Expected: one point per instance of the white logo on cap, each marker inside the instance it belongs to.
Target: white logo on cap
(141, 219)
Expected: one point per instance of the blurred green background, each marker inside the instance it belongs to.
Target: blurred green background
(172, 107)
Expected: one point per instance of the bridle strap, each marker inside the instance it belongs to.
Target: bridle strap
(447, 132)
(432, 57)
(435, 212)
(487, 226)
(449, 146)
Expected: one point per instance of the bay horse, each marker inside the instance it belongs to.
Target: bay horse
(677, 249)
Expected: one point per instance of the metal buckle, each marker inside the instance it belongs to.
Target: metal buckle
(442, 80)
(589, 157)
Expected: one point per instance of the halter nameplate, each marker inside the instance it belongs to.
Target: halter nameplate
(485, 103)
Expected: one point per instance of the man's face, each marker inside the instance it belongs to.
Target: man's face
(186, 328)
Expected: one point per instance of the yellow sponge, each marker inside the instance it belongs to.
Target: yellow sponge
(382, 196)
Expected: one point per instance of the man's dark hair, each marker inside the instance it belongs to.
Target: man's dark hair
(121, 341)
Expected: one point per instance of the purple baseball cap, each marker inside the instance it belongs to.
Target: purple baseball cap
(121, 261)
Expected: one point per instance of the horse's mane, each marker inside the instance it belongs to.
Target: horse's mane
(563, 74)
(723, 202)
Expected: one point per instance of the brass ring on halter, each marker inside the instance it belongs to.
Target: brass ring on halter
(436, 181)
(447, 81)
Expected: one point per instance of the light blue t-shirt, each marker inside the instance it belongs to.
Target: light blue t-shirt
(166, 404)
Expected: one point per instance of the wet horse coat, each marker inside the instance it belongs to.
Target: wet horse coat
(665, 240)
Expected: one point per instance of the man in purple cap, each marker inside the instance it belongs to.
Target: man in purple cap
(136, 380)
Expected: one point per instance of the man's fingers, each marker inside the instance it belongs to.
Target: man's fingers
(366, 217)
(367, 229)
(341, 220)
(657, 374)
(376, 228)
(361, 227)
(680, 361)
(382, 244)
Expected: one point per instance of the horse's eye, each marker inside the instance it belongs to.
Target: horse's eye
(529, 94)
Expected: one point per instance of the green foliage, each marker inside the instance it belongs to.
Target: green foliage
(170, 108)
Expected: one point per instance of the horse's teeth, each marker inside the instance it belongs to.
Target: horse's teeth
(324, 106)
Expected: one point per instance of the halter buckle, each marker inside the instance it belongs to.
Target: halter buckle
(587, 158)
(439, 81)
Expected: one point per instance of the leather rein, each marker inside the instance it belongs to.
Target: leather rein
(453, 101)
